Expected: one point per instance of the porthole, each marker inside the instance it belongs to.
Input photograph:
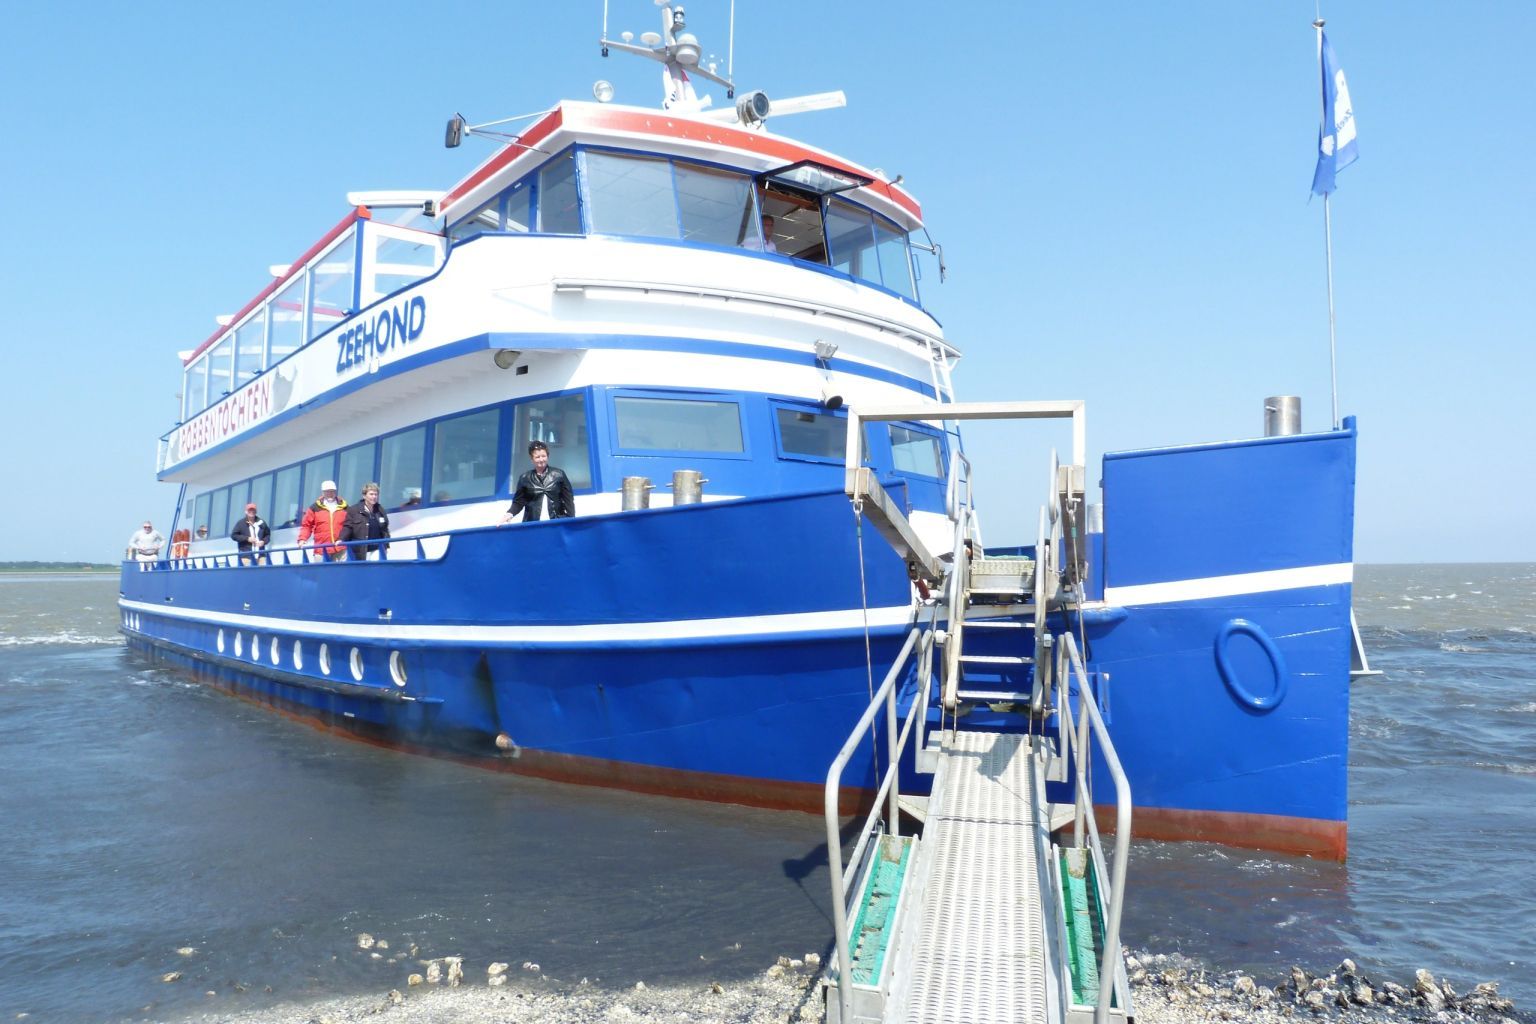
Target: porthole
(298, 656)
(397, 667)
(255, 647)
(220, 641)
(277, 656)
(237, 644)
(355, 661)
(325, 659)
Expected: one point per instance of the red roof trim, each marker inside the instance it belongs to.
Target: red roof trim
(360, 213)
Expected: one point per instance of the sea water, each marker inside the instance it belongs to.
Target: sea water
(144, 814)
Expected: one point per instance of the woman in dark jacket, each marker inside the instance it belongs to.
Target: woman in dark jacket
(366, 520)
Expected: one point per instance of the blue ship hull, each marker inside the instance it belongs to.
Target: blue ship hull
(718, 651)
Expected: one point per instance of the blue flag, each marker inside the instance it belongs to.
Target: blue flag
(1336, 148)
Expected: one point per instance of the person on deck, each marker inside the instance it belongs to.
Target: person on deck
(366, 520)
(322, 522)
(145, 544)
(251, 535)
(541, 485)
(765, 243)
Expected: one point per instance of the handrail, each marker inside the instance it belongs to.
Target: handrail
(887, 794)
(1082, 810)
(298, 554)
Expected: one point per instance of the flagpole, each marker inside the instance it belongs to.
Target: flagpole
(1333, 361)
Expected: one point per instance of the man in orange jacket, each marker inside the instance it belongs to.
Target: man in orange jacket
(322, 521)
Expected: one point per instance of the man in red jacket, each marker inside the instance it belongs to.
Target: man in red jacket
(322, 522)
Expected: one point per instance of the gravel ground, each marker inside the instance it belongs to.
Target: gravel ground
(1166, 990)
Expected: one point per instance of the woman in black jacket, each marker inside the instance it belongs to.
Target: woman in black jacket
(366, 520)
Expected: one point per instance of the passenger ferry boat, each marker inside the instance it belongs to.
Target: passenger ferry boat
(604, 283)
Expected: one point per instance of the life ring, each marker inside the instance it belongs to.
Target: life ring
(1256, 633)
(181, 543)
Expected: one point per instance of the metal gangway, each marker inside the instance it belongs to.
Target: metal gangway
(995, 902)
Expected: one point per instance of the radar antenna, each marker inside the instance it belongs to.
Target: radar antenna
(678, 51)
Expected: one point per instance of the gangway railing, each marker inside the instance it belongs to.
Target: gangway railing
(887, 794)
(424, 547)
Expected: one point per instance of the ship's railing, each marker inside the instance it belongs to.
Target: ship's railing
(1074, 742)
(883, 817)
(426, 547)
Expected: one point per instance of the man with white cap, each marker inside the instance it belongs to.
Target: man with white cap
(322, 522)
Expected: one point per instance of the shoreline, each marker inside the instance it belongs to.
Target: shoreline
(1166, 989)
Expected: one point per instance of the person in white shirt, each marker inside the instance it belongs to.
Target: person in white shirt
(145, 544)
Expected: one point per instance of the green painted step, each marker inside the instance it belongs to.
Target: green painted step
(1085, 925)
(877, 909)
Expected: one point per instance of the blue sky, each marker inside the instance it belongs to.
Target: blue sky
(1121, 190)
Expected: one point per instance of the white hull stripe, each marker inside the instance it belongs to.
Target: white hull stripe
(1231, 586)
(848, 620)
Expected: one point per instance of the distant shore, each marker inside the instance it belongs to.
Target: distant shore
(57, 569)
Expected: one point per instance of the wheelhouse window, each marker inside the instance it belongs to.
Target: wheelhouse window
(517, 207)
(559, 206)
(678, 424)
(867, 247)
(714, 206)
(402, 457)
(560, 421)
(286, 504)
(630, 195)
(483, 220)
(916, 452)
(464, 456)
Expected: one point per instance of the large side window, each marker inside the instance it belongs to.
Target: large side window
(250, 348)
(239, 494)
(560, 422)
(851, 237)
(678, 424)
(815, 436)
(516, 207)
(316, 472)
(261, 497)
(218, 519)
(559, 208)
(331, 284)
(287, 506)
(916, 452)
(354, 468)
(464, 456)
(630, 195)
(401, 459)
(715, 206)
(895, 259)
(221, 360)
(201, 516)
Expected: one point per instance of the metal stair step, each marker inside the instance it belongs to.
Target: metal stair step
(997, 624)
(996, 659)
(993, 696)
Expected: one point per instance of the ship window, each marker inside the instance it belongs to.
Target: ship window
(464, 456)
(287, 316)
(220, 360)
(238, 495)
(402, 457)
(200, 518)
(560, 421)
(895, 259)
(250, 348)
(913, 451)
(196, 389)
(481, 221)
(316, 472)
(851, 238)
(399, 258)
(261, 497)
(797, 229)
(715, 206)
(355, 468)
(218, 518)
(816, 436)
(559, 208)
(628, 195)
(517, 207)
(285, 499)
(331, 284)
(672, 424)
